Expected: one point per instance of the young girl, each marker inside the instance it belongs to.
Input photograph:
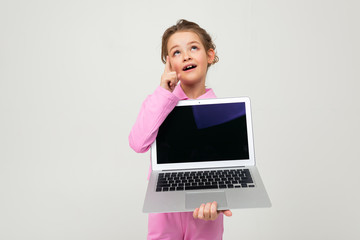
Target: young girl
(188, 52)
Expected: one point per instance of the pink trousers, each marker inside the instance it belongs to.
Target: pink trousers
(182, 226)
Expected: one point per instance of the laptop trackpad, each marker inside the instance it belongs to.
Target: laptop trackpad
(194, 200)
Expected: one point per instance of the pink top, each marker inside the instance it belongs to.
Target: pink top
(153, 112)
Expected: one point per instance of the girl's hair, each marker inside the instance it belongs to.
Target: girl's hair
(186, 26)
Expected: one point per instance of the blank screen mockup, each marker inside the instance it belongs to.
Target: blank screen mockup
(199, 133)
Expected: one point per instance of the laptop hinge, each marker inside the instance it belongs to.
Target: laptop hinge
(187, 169)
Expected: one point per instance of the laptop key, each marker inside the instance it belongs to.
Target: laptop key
(246, 180)
(164, 185)
(200, 187)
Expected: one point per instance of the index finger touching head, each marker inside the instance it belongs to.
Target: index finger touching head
(167, 65)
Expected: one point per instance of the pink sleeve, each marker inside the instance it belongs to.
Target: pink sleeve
(153, 112)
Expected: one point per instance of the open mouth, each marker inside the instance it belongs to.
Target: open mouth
(189, 67)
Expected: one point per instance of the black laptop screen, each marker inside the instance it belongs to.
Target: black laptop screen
(200, 133)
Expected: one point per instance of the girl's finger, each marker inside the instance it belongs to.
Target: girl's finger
(174, 81)
(201, 211)
(227, 213)
(167, 65)
(213, 211)
(195, 213)
(207, 211)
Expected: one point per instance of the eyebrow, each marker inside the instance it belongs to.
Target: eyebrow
(173, 47)
(192, 42)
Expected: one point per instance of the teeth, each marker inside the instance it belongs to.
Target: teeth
(188, 67)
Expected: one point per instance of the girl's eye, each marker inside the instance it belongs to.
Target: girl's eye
(194, 47)
(176, 53)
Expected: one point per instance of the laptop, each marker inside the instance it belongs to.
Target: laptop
(204, 152)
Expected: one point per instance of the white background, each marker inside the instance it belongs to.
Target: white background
(73, 75)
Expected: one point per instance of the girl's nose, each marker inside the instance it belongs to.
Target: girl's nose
(187, 57)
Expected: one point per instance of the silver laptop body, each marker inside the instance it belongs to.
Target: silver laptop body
(204, 152)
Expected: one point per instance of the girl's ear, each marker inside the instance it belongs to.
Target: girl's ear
(211, 56)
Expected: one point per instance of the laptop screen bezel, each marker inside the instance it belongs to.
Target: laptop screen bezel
(212, 164)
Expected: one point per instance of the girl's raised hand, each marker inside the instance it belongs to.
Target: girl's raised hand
(209, 212)
(169, 79)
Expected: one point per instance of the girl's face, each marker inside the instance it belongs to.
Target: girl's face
(188, 57)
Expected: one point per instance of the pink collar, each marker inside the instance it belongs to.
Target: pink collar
(179, 92)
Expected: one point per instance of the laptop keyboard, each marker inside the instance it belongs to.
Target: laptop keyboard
(198, 180)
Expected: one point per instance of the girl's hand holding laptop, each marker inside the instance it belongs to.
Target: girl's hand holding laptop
(209, 212)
